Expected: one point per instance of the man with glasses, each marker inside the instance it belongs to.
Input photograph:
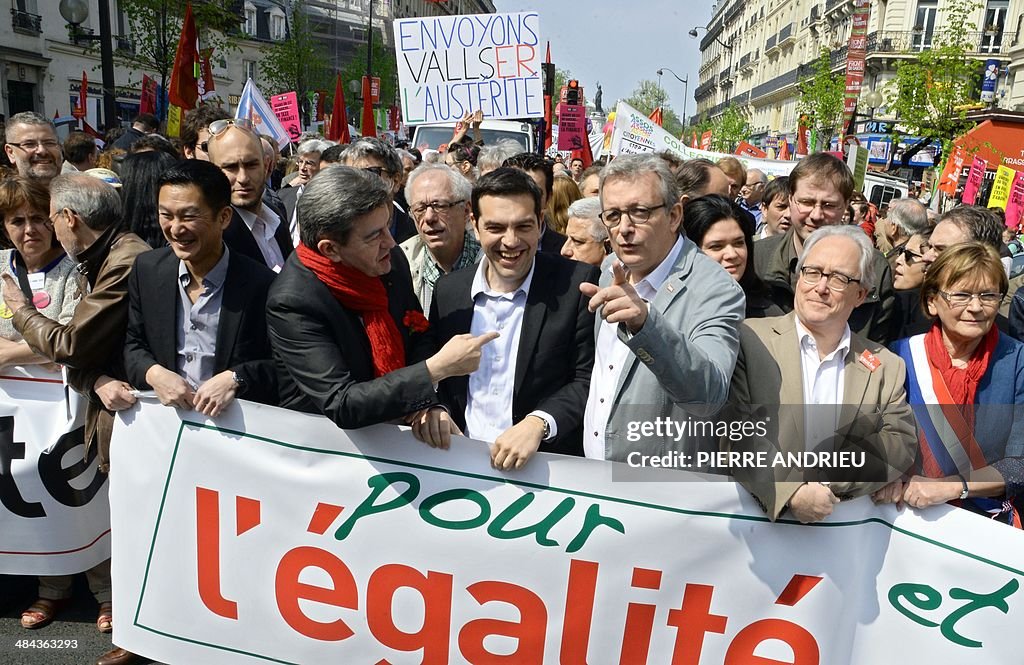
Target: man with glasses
(906, 218)
(667, 340)
(257, 230)
(820, 190)
(530, 391)
(439, 202)
(195, 133)
(852, 389)
(963, 224)
(308, 163)
(377, 157)
(751, 195)
(32, 146)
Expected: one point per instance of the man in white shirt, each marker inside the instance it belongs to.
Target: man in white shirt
(667, 339)
(531, 387)
(851, 389)
(256, 230)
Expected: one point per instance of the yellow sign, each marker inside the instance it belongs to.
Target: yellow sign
(1001, 187)
(173, 121)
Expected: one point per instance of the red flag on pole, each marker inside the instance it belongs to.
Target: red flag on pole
(369, 127)
(695, 143)
(586, 153)
(656, 116)
(82, 109)
(184, 88)
(801, 136)
(147, 100)
(338, 131)
(784, 149)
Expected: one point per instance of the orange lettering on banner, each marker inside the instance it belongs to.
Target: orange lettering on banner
(436, 591)
(636, 636)
(289, 591)
(579, 611)
(692, 621)
(529, 631)
(741, 650)
(208, 554)
(523, 61)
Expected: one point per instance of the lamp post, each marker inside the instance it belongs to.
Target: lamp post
(75, 12)
(686, 87)
(726, 45)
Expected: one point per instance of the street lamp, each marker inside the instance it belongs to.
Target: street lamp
(75, 12)
(686, 87)
(693, 33)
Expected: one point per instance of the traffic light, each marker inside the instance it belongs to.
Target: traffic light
(572, 93)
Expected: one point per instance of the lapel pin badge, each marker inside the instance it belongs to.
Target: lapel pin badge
(869, 360)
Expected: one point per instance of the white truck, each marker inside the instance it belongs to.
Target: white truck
(493, 131)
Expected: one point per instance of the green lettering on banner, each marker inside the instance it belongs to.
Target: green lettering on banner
(927, 598)
(428, 505)
(378, 484)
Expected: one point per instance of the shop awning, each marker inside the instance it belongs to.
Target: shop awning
(998, 142)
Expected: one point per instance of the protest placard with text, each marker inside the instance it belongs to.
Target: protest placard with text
(452, 65)
(286, 108)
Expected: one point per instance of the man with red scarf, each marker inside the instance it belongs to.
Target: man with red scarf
(851, 389)
(349, 337)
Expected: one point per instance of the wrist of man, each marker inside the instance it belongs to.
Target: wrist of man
(547, 423)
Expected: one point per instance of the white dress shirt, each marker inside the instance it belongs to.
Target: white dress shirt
(492, 387)
(293, 223)
(823, 385)
(611, 355)
(263, 227)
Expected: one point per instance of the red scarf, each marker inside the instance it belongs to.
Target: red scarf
(366, 296)
(961, 383)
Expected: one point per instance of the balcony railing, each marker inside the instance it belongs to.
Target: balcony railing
(815, 13)
(124, 44)
(770, 44)
(786, 34)
(891, 41)
(26, 23)
(705, 89)
(745, 62)
(735, 10)
(838, 57)
(723, 78)
(830, 5)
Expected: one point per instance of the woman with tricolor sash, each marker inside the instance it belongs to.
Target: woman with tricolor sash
(965, 382)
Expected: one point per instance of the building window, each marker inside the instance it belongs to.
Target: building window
(277, 27)
(250, 19)
(250, 69)
(924, 24)
(995, 23)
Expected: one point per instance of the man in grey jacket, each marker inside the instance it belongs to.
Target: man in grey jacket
(667, 333)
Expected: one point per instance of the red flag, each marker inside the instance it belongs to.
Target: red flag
(656, 116)
(694, 143)
(147, 100)
(784, 149)
(88, 129)
(83, 93)
(207, 87)
(184, 88)
(369, 127)
(548, 116)
(801, 136)
(338, 131)
(586, 153)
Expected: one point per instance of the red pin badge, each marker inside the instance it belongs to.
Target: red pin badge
(869, 360)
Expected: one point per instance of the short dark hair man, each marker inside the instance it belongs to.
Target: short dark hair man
(541, 169)
(349, 337)
(143, 124)
(197, 328)
(195, 132)
(821, 188)
(375, 156)
(257, 230)
(79, 152)
(531, 389)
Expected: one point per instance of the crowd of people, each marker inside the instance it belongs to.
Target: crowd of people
(520, 301)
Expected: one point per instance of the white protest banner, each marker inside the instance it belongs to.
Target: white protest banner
(635, 133)
(54, 515)
(271, 536)
(452, 65)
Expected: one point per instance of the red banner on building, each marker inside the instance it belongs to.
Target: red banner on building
(855, 54)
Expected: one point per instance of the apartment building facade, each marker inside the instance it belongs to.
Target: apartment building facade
(754, 53)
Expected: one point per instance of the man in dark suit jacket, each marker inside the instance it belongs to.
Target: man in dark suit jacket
(531, 389)
(349, 338)
(257, 230)
(196, 318)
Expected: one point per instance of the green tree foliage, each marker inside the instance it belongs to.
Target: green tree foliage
(648, 96)
(931, 92)
(821, 98)
(155, 27)
(384, 66)
(297, 63)
(729, 129)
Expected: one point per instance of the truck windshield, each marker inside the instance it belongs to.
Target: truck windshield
(435, 136)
